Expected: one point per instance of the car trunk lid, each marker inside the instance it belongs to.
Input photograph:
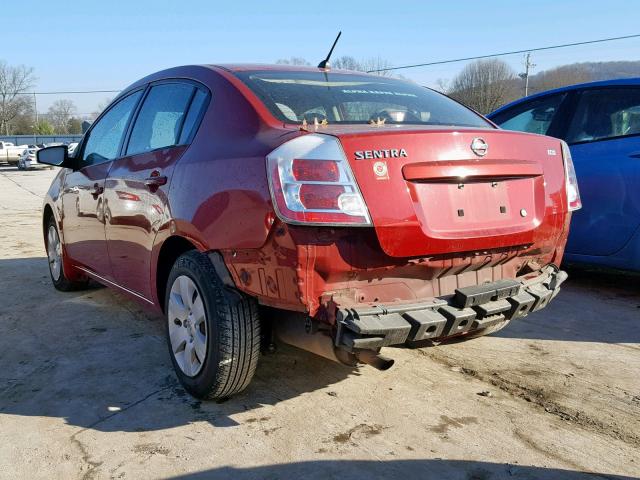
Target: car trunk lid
(429, 193)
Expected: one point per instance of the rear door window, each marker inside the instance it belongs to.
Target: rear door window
(533, 117)
(161, 117)
(605, 113)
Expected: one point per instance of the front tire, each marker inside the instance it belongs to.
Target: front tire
(55, 256)
(213, 332)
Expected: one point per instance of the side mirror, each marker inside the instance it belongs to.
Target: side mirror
(57, 156)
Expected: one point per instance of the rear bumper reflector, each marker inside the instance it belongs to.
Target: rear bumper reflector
(471, 308)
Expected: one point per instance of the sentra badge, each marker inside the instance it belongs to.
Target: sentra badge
(388, 153)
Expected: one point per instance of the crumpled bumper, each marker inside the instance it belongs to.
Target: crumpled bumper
(469, 309)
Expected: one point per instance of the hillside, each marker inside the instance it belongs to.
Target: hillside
(583, 72)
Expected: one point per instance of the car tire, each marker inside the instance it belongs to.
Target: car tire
(213, 331)
(55, 257)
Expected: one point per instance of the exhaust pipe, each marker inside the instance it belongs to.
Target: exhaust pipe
(374, 359)
(302, 332)
(297, 331)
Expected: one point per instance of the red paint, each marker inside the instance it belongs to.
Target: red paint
(215, 194)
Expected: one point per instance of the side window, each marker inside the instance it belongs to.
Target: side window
(160, 119)
(532, 117)
(605, 113)
(105, 137)
(198, 104)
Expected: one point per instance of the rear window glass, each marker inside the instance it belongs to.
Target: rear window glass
(352, 99)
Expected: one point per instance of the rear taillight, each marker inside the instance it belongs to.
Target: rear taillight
(571, 181)
(311, 182)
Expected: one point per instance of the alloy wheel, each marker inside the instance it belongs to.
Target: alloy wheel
(187, 325)
(54, 252)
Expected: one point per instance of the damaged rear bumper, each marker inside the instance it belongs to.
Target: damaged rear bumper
(469, 309)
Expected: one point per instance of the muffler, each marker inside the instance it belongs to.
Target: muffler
(301, 332)
(307, 334)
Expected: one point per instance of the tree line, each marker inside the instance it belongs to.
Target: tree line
(17, 107)
(485, 85)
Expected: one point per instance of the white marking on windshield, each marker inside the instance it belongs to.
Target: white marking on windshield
(381, 92)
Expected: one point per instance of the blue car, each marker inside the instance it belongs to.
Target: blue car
(601, 123)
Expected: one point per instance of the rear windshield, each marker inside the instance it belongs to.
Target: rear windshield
(345, 98)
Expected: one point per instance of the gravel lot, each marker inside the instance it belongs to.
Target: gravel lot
(87, 390)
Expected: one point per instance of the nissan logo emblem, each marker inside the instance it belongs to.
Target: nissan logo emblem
(479, 147)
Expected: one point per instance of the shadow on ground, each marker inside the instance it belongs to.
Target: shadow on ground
(593, 306)
(89, 356)
(413, 469)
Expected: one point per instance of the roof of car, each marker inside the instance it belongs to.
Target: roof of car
(604, 83)
(232, 67)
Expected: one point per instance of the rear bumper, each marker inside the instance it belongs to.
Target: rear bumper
(468, 310)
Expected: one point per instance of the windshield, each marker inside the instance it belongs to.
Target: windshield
(345, 98)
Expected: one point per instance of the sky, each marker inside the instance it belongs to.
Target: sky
(106, 45)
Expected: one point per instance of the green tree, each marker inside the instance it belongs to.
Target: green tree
(74, 126)
(43, 127)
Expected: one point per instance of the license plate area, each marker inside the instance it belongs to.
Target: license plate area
(479, 208)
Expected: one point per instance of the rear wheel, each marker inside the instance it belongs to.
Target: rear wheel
(55, 256)
(213, 332)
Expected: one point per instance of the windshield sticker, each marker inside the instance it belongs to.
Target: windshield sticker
(311, 83)
(380, 92)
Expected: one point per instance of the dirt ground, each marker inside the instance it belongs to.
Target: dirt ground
(87, 390)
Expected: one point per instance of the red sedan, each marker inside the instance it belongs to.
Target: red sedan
(335, 211)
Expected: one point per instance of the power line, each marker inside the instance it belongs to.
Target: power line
(538, 49)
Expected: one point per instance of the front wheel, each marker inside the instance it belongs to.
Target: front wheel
(213, 332)
(55, 256)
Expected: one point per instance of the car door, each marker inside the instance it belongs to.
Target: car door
(136, 190)
(83, 191)
(604, 137)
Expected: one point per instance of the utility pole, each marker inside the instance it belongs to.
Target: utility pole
(525, 75)
(35, 109)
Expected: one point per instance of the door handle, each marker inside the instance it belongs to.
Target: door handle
(635, 154)
(96, 190)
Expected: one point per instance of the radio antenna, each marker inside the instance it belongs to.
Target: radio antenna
(325, 63)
